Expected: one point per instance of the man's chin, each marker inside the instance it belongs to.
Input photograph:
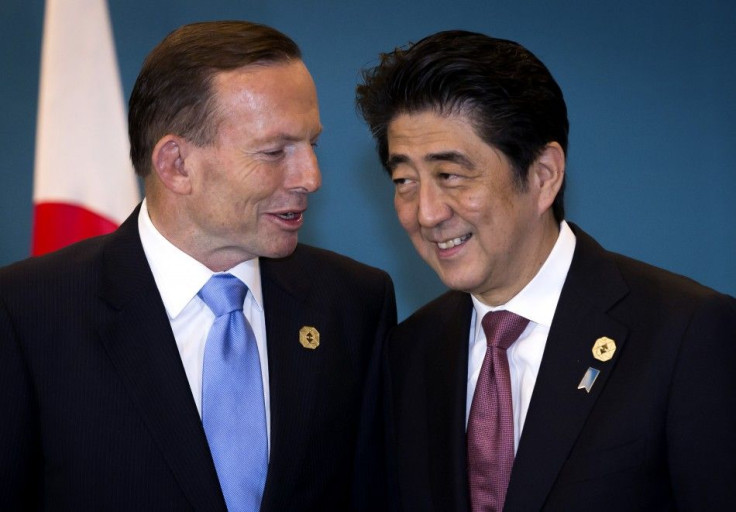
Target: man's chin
(459, 283)
(282, 251)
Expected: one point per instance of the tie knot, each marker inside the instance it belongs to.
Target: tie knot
(503, 328)
(223, 293)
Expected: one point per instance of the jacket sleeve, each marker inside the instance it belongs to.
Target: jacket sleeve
(369, 490)
(20, 447)
(701, 416)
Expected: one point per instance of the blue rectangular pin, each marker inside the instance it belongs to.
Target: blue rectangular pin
(588, 379)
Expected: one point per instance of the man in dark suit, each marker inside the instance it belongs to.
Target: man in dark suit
(555, 375)
(103, 370)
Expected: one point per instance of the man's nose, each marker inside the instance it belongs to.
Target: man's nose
(307, 177)
(432, 209)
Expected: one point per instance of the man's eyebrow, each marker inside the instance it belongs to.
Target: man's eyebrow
(285, 137)
(444, 156)
(395, 160)
(452, 157)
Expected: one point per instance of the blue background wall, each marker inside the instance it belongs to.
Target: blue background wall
(649, 86)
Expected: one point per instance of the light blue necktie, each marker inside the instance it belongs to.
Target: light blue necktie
(233, 412)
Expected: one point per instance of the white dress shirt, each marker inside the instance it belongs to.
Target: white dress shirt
(537, 302)
(179, 277)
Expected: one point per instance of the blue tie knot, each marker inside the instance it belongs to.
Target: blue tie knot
(223, 294)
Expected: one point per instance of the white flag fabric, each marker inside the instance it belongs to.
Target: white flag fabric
(84, 184)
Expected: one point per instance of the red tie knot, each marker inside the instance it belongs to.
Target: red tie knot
(503, 328)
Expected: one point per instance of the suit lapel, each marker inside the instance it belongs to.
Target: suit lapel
(139, 341)
(294, 371)
(446, 360)
(558, 409)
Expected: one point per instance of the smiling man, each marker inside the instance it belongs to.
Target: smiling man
(555, 375)
(198, 358)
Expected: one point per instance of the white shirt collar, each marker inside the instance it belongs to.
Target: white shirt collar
(178, 276)
(537, 301)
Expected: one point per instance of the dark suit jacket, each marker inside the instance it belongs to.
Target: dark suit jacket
(657, 431)
(96, 411)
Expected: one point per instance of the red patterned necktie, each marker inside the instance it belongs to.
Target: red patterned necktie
(491, 420)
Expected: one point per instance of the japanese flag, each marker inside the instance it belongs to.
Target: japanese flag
(84, 184)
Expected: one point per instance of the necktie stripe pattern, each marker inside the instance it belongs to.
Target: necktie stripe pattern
(491, 421)
(233, 412)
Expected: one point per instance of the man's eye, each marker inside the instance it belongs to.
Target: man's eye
(276, 153)
(404, 185)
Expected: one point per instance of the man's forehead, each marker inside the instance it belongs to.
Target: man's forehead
(429, 131)
(434, 117)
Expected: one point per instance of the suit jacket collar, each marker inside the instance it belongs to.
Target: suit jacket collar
(558, 409)
(287, 275)
(139, 341)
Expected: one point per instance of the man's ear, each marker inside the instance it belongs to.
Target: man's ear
(547, 173)
(169, 164)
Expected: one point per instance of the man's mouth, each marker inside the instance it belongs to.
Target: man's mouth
(290, 215)
(454, 242)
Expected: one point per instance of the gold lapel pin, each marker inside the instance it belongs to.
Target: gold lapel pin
(604, 348)
(309, 337)
(588, 379)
